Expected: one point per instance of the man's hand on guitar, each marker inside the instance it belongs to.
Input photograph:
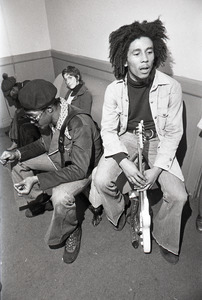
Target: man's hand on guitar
(151, 176)
(133, 174)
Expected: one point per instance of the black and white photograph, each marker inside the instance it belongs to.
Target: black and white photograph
(100, 150)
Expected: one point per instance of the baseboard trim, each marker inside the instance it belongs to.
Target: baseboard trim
(83, 61)
(189, 86)
(15, 59)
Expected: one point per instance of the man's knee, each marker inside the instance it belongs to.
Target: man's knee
(183, 197)
(177, 196)
(61, 199)
(100, 181)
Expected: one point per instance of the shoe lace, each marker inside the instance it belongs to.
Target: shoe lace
(71, 241)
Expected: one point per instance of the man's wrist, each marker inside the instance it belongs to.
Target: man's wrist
(17, 154)
(35, 179)
(157, 170)
(122, 162)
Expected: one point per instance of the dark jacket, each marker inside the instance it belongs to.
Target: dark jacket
(82, 100)
(82, 151)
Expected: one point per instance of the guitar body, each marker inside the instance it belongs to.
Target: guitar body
(145, 222)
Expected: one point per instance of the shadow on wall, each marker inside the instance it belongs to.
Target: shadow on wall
(167, 67)
(182, 149)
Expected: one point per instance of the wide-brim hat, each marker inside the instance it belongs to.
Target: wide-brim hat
(37, 94)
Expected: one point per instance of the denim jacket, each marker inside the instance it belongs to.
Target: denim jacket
(165, 99)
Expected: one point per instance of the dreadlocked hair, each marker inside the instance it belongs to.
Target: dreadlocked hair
(120, 40)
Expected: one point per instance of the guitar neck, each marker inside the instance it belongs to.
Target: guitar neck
(140, 159)
(140, 145)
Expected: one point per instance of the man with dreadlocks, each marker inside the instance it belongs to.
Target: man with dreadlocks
(141, 92)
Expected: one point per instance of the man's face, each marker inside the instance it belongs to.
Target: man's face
(71, 81)
(140, 58)
(41, 118)
(14, 92)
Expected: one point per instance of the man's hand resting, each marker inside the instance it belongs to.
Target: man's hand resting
(9, 156)
(24, 187)
(152, 175)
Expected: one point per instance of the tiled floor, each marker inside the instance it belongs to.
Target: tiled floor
(107, 268)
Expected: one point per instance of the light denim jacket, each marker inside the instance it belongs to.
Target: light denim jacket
(165, 99)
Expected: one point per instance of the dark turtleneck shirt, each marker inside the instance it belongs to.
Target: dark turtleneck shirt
(139, 108)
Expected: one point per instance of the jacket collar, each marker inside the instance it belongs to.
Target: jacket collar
(81, 91)
(159, 79)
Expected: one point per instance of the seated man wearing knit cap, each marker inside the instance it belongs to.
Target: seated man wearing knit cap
(21, 131)
(65, 157)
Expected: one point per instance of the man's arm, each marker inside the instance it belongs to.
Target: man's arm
(26, 152)
(112, 113)
(173, 130)
(33, 149)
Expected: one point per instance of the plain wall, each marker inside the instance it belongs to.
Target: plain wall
(23, 31)
(82, 27)
(23, 27)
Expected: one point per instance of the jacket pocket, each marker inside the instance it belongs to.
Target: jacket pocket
(162, 119)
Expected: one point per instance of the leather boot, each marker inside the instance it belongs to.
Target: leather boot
(97, 214)
(38, 206)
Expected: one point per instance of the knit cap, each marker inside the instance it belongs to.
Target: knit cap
(7, 84)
